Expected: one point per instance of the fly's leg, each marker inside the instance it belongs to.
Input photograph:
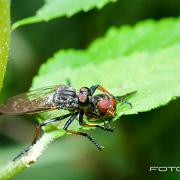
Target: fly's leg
(37, 132)
(68, 82)
(80, 133)
(102, 89)
(123, 101)
(22, 152)
(88, 136)
(98, 126)
(92, 125)
(49, 121)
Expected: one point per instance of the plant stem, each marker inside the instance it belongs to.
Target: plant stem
(30, 157)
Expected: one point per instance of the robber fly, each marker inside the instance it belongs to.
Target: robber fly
(77, 104)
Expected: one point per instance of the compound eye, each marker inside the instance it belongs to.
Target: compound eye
(113, 103)
(104, 105)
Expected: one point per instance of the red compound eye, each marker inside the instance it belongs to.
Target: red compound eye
(113, 103)
(104, 105)
(107, 106)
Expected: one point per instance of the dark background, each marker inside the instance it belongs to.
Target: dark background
(139, 141)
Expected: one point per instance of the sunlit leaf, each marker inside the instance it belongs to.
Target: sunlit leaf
(58, 8)
(144, 58)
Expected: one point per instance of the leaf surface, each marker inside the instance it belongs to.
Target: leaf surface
(144, 58)
(52, 9)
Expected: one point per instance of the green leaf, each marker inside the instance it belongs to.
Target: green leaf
(59, 8)
(4, 36)
(144, 58)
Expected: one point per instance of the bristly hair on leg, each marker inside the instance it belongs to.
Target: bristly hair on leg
(22, 153)
(124, 101)
(126, 96)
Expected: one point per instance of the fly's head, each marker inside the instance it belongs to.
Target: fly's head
(107, 106)
(84, 95)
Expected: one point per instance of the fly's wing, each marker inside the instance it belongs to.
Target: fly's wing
(35, 101)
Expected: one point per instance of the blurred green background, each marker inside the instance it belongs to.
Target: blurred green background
(139, 141)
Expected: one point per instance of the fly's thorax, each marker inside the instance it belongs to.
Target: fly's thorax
(66, 98)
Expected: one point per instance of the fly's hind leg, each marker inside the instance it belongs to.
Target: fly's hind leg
(49, 121)
(37, 132)
(80, 133)
(22, 152)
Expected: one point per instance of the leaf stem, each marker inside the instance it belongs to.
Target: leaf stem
(30, 157)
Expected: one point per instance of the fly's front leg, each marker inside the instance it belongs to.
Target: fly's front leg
(80, 133)
(102, 89)
(123, 101)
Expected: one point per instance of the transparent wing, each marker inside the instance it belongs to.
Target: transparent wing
(35, 101)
